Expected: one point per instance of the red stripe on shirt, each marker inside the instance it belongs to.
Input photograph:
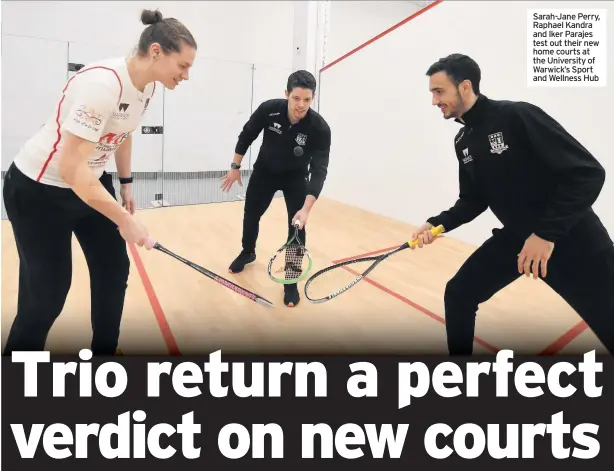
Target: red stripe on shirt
(57, 116)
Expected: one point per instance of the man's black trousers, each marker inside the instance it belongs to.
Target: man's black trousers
(585, 283)
(43, 219)
(261, 188)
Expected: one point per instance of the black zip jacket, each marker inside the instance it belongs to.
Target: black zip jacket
(280, 138)
(536, 178)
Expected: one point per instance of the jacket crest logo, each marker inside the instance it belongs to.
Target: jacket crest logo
(497, 146)
(301, 139)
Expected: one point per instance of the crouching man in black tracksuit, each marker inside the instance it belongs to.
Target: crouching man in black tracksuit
(540, 183)
(295, 145)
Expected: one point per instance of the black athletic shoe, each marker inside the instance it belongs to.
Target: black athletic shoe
(239, 263)
(291, 296)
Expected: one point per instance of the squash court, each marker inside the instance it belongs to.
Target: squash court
(171, 308)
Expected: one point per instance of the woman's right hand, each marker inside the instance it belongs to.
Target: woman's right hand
(134, 232)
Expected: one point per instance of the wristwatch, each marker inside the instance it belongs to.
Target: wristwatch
(235, 166)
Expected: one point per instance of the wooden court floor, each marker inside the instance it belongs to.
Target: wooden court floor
(171, 308)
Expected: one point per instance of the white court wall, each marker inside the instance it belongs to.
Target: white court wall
(245, 53)
(351, 23)
(254, 32)
(392, 151)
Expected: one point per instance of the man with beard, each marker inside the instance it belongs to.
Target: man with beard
(541, 183)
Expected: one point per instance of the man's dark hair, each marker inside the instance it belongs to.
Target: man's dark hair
(301, 79)
(458, 67)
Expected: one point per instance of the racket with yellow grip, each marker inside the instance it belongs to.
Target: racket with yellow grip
(336, 279)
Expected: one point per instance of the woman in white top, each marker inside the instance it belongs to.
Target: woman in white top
(57, 186)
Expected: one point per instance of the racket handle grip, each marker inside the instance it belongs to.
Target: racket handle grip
(434, 230)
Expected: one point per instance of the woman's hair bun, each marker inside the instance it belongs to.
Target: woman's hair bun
(150, 17)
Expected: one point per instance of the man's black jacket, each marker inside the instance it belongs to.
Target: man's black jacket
(534, 176)
(280, 138)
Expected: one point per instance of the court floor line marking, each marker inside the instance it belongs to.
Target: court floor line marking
(368, 254)
(555, 347)
(165, 328)
(375, 252)
(411, 303)
(565, 339)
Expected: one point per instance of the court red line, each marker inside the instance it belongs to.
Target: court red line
(368, 254)
(552, 349)
(375, 252)
(165, 329)
(381, 35)
(409, 302)
(565, 339)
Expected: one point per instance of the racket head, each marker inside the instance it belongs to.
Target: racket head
(338, 278)
(290, 264)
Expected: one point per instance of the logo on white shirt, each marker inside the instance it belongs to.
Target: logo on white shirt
(122, 113)
(88, 118)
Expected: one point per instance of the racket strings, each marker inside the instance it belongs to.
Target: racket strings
(290, 263)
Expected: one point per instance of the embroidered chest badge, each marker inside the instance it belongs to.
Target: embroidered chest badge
(301, 139)
(497, 145)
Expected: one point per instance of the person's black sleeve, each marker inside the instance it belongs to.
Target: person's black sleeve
(580, 176)
(318, 167)
(251, 129)
(468, 206)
